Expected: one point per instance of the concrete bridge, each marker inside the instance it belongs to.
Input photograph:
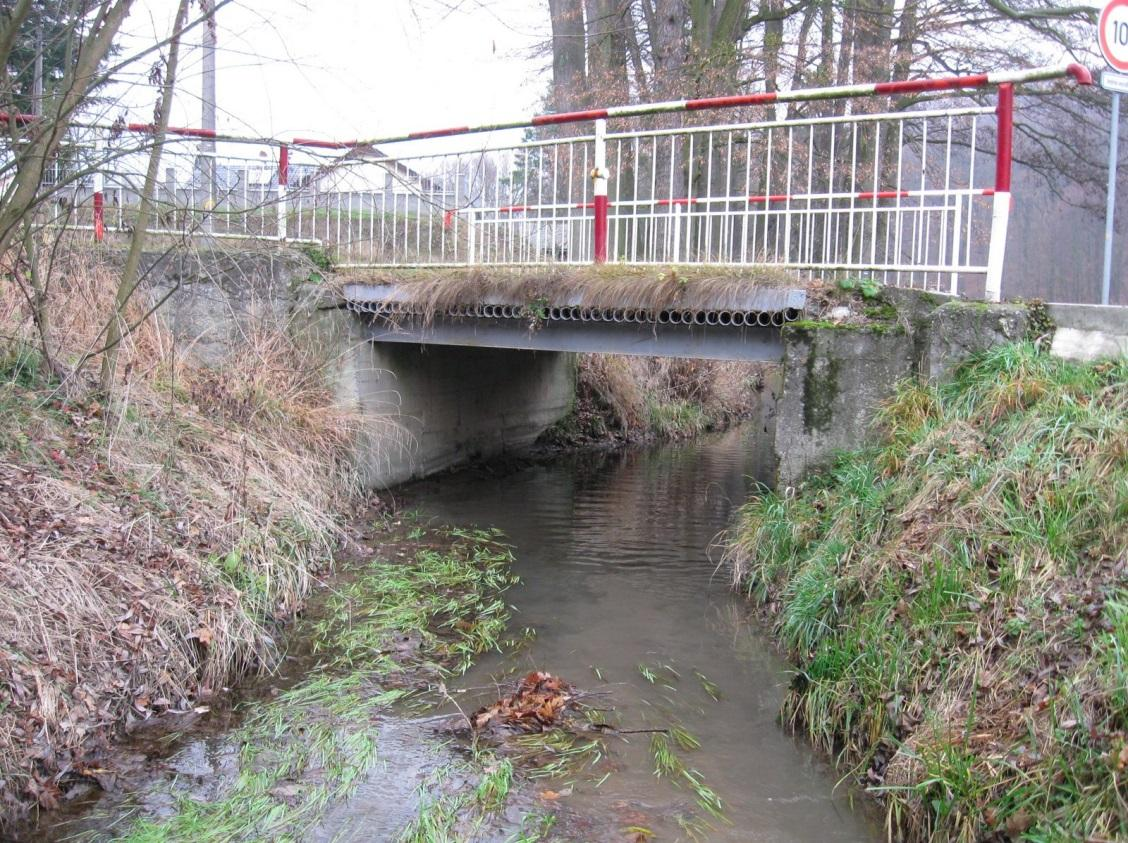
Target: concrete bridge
(745, 323)
(467, 381)
(475, 275)
(447, 382)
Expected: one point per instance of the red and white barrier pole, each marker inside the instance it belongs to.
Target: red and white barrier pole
(599, 191)
(1001, 201)
(912, 86)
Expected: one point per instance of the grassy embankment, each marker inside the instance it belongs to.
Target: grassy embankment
(956, 602)
(151, 549)
(311, 745)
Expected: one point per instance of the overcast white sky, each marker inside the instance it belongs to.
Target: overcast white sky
(349, 68)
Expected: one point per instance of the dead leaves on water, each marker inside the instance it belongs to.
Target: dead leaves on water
(540, 701)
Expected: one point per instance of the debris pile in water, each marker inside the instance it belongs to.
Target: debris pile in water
(539, 702)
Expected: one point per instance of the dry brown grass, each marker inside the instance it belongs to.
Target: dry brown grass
(633, 398)
(148, 554)
(610, 286)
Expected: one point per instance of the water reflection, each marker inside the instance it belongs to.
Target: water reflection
(613, 553)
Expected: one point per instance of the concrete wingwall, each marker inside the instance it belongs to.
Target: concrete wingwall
(833, 380)
(418, 409)
(835, 377)
(424, 408)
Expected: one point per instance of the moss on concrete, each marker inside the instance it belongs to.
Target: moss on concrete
(885, 311)
(809, 325)
(820, 389)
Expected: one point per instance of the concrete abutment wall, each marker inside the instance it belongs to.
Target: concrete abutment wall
(836, 376)
(423, 408)
(450, 405)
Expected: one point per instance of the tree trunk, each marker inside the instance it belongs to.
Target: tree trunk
(127, 284)
(10, 23)
(906, 36)
(607, 22)
(567, 19)
(773, 40)
(634, 51)
(37, 297)
(718, 26)
(668, 47)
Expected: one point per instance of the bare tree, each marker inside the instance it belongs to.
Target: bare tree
(31, 204)
(36, 142)
(669, 49)
(165, 76)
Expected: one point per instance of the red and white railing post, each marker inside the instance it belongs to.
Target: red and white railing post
(99, 199)
(599, 176)
(283, 186)
(1001, 201)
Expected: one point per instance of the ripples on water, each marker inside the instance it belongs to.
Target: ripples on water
(613, 553)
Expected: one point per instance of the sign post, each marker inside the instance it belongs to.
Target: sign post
(1112, 37)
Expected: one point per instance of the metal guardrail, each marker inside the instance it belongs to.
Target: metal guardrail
(917, 197)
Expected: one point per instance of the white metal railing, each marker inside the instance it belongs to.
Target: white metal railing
(917, 197)
(96, 186)
(904, 197)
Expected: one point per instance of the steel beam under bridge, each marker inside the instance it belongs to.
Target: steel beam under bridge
(711, 342)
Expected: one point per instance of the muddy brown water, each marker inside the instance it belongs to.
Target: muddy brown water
(619, 570)
(618, 573)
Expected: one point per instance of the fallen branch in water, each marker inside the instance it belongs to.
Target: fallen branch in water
(607, 727)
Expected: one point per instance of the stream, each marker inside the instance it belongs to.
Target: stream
(622, 596)
(618, 574)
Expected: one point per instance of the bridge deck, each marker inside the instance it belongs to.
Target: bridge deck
(716, 314)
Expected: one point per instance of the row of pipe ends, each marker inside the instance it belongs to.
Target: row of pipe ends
(736, 318)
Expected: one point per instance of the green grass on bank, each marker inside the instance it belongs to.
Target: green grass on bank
(312, 745)
(956, 601)
(451, 601)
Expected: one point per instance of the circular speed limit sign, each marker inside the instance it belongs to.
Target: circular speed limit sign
(1112, 34)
